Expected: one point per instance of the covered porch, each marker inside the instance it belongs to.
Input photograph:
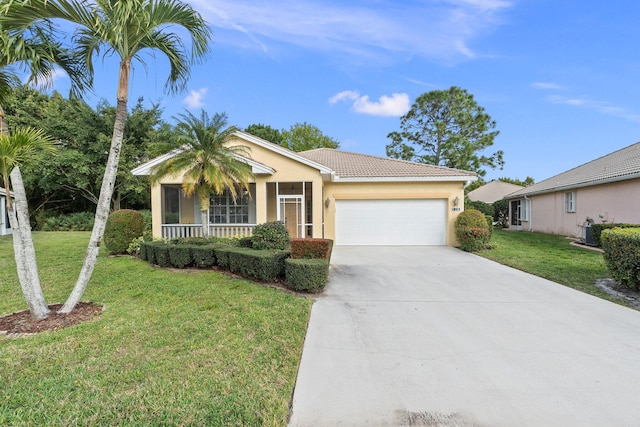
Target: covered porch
(298, 204)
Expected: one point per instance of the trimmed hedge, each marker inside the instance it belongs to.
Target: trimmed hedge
(311, 248)
(622, 255)
(162, 253)
(180, 256)
(122, 227)
(310, 275)
(597, 229)
(222, 257)
(203, 256)
(265, 265)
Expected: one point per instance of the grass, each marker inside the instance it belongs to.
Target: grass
(171, 348)
(552, 257)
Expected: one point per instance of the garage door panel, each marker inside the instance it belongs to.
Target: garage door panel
(391, 222)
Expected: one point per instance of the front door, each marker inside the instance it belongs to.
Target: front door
(291, 212)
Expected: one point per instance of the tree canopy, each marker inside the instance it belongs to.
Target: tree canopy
(265, 132)
(305, 136)
(447, 128)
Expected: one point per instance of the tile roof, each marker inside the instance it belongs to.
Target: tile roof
(348, 165)
(620, 165)
(493, 191)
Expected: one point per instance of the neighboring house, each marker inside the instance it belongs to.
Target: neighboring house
(5, 227)
(492, 191)
(355, 199)
(604, 190)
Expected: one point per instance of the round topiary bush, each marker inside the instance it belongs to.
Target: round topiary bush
(472, 230)
(270, 235)
(122, 227)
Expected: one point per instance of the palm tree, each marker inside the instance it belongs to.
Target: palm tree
(35, 52)
(16, 149)
(207, 165)
(124, 28)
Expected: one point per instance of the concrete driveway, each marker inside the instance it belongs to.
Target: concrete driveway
(433, 336)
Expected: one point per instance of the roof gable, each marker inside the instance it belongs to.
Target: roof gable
(257, 167)
(493, 191)
(620, 165)
(349, 166)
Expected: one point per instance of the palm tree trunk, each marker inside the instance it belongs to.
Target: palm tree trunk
(106, 191)
(24, 251)
(204, 214)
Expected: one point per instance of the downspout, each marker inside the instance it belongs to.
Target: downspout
(528, 202)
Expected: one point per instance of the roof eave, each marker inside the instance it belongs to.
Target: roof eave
(572, 186)
(407, 179)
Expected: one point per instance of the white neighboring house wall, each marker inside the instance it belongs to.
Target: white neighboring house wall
(5, 228)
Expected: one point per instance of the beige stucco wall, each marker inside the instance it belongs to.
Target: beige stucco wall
(616, 202)
(394, 190)
(286, 170)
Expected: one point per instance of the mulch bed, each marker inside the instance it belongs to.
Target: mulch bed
(22, 322)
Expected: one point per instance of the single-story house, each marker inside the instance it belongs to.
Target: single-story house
(354, 199)
(605, 190)
(493, 191)
(5, 227)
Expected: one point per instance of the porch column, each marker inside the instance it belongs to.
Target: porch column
(156, 210)
(261, 202)
(317, 208)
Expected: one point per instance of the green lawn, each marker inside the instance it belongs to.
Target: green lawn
(550, 256)
(171, 348)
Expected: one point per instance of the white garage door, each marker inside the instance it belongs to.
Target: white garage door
(391, 222)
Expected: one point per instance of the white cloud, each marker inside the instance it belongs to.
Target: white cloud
(195, 98)
(394, 105)
(546, 86)
(603, 107)
(56, 75)
(381, 31)
(345, 95)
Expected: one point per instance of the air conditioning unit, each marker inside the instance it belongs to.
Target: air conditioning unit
(588, 235)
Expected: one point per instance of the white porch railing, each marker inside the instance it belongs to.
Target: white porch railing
(172, 231)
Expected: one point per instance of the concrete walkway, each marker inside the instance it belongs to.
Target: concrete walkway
(434, 336)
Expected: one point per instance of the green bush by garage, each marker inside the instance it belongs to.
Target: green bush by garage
(622, 255)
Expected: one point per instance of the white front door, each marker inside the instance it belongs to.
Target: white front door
(291, 212)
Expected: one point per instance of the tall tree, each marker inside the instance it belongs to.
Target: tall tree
(446, 128)
(265, 132)
(32, 50)
(209, 166)
(528, 181)
(305, 136)
(124, 28)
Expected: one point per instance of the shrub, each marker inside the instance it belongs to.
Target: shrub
(122, 227)
(144, 248)
(134, 246)
(501, 212)
(203, 256)
(597, 229)
(485, 208)
(308, 275)
(622, 255)
(472, 230)
(489, 219)
(245, 242)
(311, 248)
(81, 221)
(180, 255)
(270, 235)
(222, 257)
(473, 239)
(265, 265)
(162, 254)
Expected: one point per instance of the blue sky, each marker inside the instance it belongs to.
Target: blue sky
(560, 77)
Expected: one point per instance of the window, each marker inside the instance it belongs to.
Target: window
(171, 205)
(570, 201)
(225, 210)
